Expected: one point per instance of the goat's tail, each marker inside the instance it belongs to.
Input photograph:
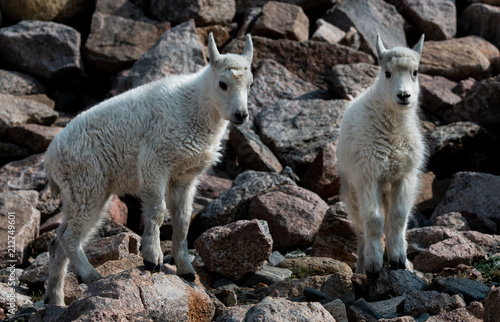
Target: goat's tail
(54, 188)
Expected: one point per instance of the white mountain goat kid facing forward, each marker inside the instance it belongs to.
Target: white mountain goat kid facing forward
(151, 141)
(380, 155)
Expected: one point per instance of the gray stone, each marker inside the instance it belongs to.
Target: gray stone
(369, 18)
(17, 110)
(38, 272)
(233, 204)
(321, 176)
(451, 138)
(224, 249)
(483, 20)
(16, 83)
(234, 314)
(26, 174)
(276, 309)
(452, 220)
(436, 19)
(432, 302)
(20, 221)
(480, 104)
(325, 31)
(178, 51)
(461, 314)
(115, 42)
(337, 309)
(394, 283)
(491, 307)
(472, 192)
(469, 289)
(437, 94)
(34, 136)
(293, 214)
(348, 81)
(389, 306)
(203, 12)
(296, 130)
(268, 275)
(292, 22)
(275, 258)
(251, 152)
(46, 49)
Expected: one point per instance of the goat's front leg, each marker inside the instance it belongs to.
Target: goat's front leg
(370, 201)
(180, 204)
(153, 213)
(402, 196)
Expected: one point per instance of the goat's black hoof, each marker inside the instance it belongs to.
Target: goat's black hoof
(172, 261)
(79, 279)
(190, 277)
(140, 248)
(46, 300)
(397, 265)
(150, 266)
(373, 276)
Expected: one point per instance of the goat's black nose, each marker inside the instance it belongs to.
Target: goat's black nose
(403, 97)
(240, 116)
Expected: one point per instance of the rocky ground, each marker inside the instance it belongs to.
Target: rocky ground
(269, 236)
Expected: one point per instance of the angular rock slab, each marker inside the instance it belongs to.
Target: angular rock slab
(34, 136)
(20, 221)
(277, 309)
(26, 174)
(296, 130)
(17, 83)
(293, 214)
(46, 49)
(282, 20)
(482, 20)
(233, 203)
(225, 249)
(115, 42)
(480, 105)
(437, 19)
(349, 81)
(203, 12)
(491, 307)
(178, 51)
(139, 295)
(472, 192)
(369, 18)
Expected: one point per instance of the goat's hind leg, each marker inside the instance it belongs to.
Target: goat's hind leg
(57, 271)
(180, 203)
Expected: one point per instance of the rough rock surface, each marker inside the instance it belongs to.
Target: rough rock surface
(276, 309)
(224, 249)
(46, 49)
(16, 83)
(203, 12)
(348, 81)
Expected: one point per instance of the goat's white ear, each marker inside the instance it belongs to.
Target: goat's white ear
(248, 51)
(420, 45)
(213, 52)
(380, 47)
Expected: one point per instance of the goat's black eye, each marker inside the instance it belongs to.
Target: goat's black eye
(415, 74)
(387, 74)
(223, 85)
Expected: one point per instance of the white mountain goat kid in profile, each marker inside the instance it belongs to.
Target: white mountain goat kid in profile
(152, 141)
(380, 153)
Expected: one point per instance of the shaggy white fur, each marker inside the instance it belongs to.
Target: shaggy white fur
(380, 153)
(152, 141)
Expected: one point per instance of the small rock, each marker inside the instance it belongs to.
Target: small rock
(52, 223)
(276, 309)
(325, 31)
(436, 19)
(224, 249)
(313, 266)
(221, 35)
(461, 314)
(268, 275)
(26, 174)
(275, 258)
(38, 272)
(17, 83)
(115, 247)
(335, 237)
(369, 18)
(470, 290)
(233, 204)
(472, 192)
(33, 136)
(48, 203)
(452, 220)
(42, 242)
(234, 313)
(293, 214)
(491, 307)
(292, 22)
(362, 310)
(458, 58)
(479, 105)
(388, 306)
(482, 19)
(348, 81)
(337, 309)
(115, 42)
(418, 302)
(437, 94)
(20, 220)
(17, 110)
(252, 153)
(178, 51)
(204, 13)
(297, 130)
(227, 297)
(46, 49)
(211, 187)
